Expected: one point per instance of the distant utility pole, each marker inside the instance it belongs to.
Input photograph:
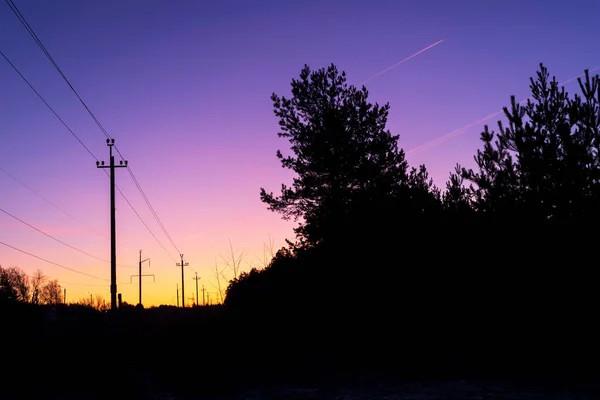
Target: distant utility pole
(177, 295)
(197, 278)
(182, 265)
(203, 302)
(65, 296)
(140, 275)
(113, 233)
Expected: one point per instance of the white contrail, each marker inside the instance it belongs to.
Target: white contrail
(458, 132)
(388, 69)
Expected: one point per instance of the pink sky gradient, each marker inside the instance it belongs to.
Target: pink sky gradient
(184, 88)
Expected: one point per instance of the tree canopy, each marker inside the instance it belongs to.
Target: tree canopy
(543, 164)
(345, 159)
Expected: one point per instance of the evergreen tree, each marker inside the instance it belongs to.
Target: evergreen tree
(343, 155)
(543, 165)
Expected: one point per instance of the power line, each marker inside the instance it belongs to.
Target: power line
(79, 284)
(88, 150)
(36, 38)
(47, 105)
(138, 215)
(53, 238)
(69, 283)
(60, 209)
(51, 262)
(40, 44)
(152, 209)
(50, 236)
(51, 203)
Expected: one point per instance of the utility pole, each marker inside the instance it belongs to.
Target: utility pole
(203, 302)
(140, 275)
(182, 265)
(113, 232)
(196, 279)
(65, 296)
(177, 295)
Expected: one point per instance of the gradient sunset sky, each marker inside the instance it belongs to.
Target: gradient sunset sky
(184, 88)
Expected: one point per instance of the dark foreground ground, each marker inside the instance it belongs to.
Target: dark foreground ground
(208, 353)
(146, 388)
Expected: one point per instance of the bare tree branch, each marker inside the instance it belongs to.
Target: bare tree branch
(268, 253)
(37, 281)
(14, 284)
(51, 292)
(234, 261)
(100, 304)
(218, 276)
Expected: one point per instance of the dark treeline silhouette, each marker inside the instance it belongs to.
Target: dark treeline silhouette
(490, 278)
(16, 285)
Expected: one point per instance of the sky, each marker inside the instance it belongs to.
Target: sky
(184, 89)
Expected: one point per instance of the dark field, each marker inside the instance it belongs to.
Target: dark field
(145, 388)
(211, 353)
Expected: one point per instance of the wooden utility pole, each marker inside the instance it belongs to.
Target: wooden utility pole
(65, 296)
(113, 231)
(182, 265)
(177, 295)
(197, 278)
(203, 301)
(140, 275)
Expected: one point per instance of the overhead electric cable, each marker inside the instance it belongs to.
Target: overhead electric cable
(88, 150)
(40, 44)
(51, 262)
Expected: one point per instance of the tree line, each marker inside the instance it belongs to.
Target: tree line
(16, 285)
(38, 289)
(439, 279)
(353, 184)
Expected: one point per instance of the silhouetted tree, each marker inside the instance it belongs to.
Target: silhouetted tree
(444, 295)
(219, 275)
(344, 157)
(233, 261)
(543, 165)
(423, 194)
(51, 292)
(14, 284)
(97, 303)
(100, 303)
(257, 289)
(36, 282)
(456, 199)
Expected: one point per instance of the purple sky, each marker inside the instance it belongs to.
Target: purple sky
(184, 87)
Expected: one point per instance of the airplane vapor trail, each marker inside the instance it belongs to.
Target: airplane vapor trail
(388, 69)
(460, 131)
